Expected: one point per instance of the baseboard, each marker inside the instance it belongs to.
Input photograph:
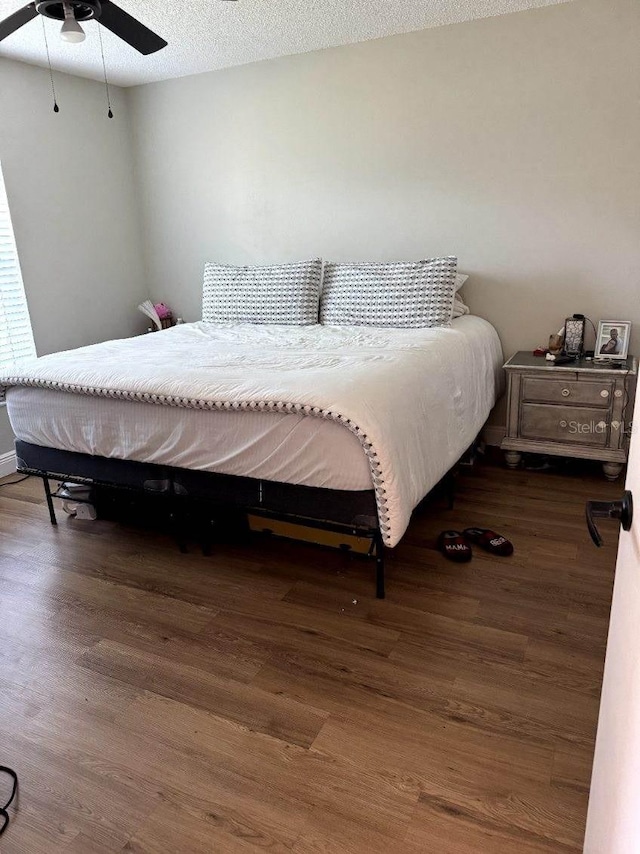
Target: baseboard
(493, 434)
(7, 464)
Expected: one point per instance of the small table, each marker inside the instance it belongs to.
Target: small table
(581, 409)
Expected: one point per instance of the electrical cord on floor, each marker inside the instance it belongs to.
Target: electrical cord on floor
(4, 815)
(13, 482)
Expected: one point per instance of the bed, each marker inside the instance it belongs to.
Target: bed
(328, 412)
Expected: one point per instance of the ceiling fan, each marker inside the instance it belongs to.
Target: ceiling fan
(72, 12)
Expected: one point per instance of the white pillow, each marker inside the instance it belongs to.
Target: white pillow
(281, 293)
(460, 280)
(396, 294)
(459, 307)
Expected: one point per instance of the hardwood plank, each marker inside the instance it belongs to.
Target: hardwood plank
(454, 633)
(348, 596)
(571, 667)
(205, 581)
(328, 677)
(39, 828)
(524, 709)
(407, 740)
(476, 833)
(293, 626)
(71, 798)
(326, 833)
(180, 827)
(555, 817)
(84, 844)
(572, 768)
(166, 771)
(76, 600)
(306, 782)
(276, 716)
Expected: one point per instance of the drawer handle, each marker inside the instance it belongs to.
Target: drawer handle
(565, 392)
(604, 393)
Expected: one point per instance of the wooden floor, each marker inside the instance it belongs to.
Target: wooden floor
(262, 699)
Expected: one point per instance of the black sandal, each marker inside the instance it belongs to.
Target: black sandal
(453, 546)
(494, 543)
(4, 815)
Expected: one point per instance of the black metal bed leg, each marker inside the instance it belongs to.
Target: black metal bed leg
(47, 492)
(176, 520)
(177, 524)
(450, 487)
(379, 555)
(207, 538)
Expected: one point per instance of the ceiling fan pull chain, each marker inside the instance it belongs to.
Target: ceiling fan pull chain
(104, 69)
(56, 108)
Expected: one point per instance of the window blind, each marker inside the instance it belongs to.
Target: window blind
(16, 337)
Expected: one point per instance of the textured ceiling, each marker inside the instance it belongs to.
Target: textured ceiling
(204, 35)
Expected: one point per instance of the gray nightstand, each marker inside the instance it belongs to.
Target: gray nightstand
(581, 409)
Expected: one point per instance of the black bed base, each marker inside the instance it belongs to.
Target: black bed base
(341, 511)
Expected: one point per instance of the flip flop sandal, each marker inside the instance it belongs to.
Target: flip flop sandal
(494, 543)
(453, 546)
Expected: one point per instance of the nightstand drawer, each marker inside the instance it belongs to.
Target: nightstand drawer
(573, 392)
(579, 425)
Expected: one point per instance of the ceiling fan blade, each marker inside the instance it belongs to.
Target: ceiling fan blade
(17, 20)
(129, 29)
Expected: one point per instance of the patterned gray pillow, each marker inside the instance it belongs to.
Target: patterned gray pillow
(399, 294)
(283, 293)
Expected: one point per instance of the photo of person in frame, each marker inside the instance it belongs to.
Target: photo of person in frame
(613, 346)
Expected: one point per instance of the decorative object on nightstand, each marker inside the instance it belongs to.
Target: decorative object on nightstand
(160, 314)
(574, 335)
(556, 343)
(580, 409)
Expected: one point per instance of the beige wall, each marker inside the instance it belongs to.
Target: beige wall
(512, 142)
(69, 179)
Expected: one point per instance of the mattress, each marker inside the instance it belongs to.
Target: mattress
(423, 393)
(267, 445)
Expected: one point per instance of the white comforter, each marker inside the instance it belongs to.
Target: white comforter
(402, 392)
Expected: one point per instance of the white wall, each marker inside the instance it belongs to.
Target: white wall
(512, 142)
(613, 821)
(69, 179)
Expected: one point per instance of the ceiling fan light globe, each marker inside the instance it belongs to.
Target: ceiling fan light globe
(71, 31)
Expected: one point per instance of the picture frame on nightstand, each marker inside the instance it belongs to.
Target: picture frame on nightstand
(612, 341)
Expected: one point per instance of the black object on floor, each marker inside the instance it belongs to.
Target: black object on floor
(4, 815)
(490, 541)
(453, 546)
